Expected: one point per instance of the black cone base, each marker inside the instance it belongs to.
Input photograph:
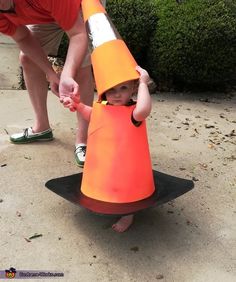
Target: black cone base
(167, 188)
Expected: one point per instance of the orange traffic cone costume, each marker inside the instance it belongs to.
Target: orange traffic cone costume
(113, 171)
(118, 165)
(118, 177)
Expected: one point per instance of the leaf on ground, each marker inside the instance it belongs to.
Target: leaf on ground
(159, 276)
(231, 158)
(194, 178)
(27, 158)
(182, 168)
(231, 134)
(215, 141)
(209, 126)
(211, 146)
(170, 211)
(18, 214)
(35, 236)
(203, 166)
(134, 249)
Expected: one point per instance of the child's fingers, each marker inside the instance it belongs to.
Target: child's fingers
(76, 98)
(72, 109)
(141, 71)
(144, 76)
(66, 104)
(138, 69)
(66, 100)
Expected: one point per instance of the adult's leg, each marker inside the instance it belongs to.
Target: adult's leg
(37, 87)
(49, 36)
(86, 86)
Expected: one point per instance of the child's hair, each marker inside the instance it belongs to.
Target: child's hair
(103, 97)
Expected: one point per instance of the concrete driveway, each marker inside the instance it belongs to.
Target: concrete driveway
(192, 239)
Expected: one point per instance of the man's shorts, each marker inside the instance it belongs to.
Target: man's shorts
(50, 36)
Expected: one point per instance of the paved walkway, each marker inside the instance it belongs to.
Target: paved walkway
(9, 63)
(192, 239)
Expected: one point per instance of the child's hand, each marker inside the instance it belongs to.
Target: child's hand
(71, 102)
(76, 98)
(68, 103)
(144, 76)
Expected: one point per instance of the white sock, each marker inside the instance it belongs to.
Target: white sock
(79, 144)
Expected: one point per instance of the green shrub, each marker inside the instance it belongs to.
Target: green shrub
(194, 43)
(62, 52)
(135, 20)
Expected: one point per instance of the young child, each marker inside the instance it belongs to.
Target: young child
(120, 95)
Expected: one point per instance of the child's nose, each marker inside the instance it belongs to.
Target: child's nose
(117, 94)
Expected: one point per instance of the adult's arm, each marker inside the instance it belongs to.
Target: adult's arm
(30, 46)
(78, 44)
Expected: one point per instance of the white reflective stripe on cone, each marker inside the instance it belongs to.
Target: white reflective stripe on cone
(100, 30)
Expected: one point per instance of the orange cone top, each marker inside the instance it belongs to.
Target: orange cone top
(111, 59)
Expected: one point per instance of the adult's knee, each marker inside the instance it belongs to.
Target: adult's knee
(25, 61)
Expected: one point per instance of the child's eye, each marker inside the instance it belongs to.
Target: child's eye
(123, 88)
(110, 91)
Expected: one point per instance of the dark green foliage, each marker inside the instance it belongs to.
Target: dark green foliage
(194, 43)
(135, 20)
(187, 44)
(63, 47)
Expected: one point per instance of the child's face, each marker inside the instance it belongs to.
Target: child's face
(120, 94)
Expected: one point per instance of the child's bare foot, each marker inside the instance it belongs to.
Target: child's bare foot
(123, 223)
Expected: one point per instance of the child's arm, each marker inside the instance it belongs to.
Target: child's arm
(144, 104)
(84, 110)
(73, 104)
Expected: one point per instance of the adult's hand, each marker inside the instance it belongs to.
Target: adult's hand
(54, 80)
(68, 88)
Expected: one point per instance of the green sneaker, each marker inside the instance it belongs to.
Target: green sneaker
(80, 152)
(28, 136)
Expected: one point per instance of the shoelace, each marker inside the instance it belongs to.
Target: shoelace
(26, 133)
(81, 149)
